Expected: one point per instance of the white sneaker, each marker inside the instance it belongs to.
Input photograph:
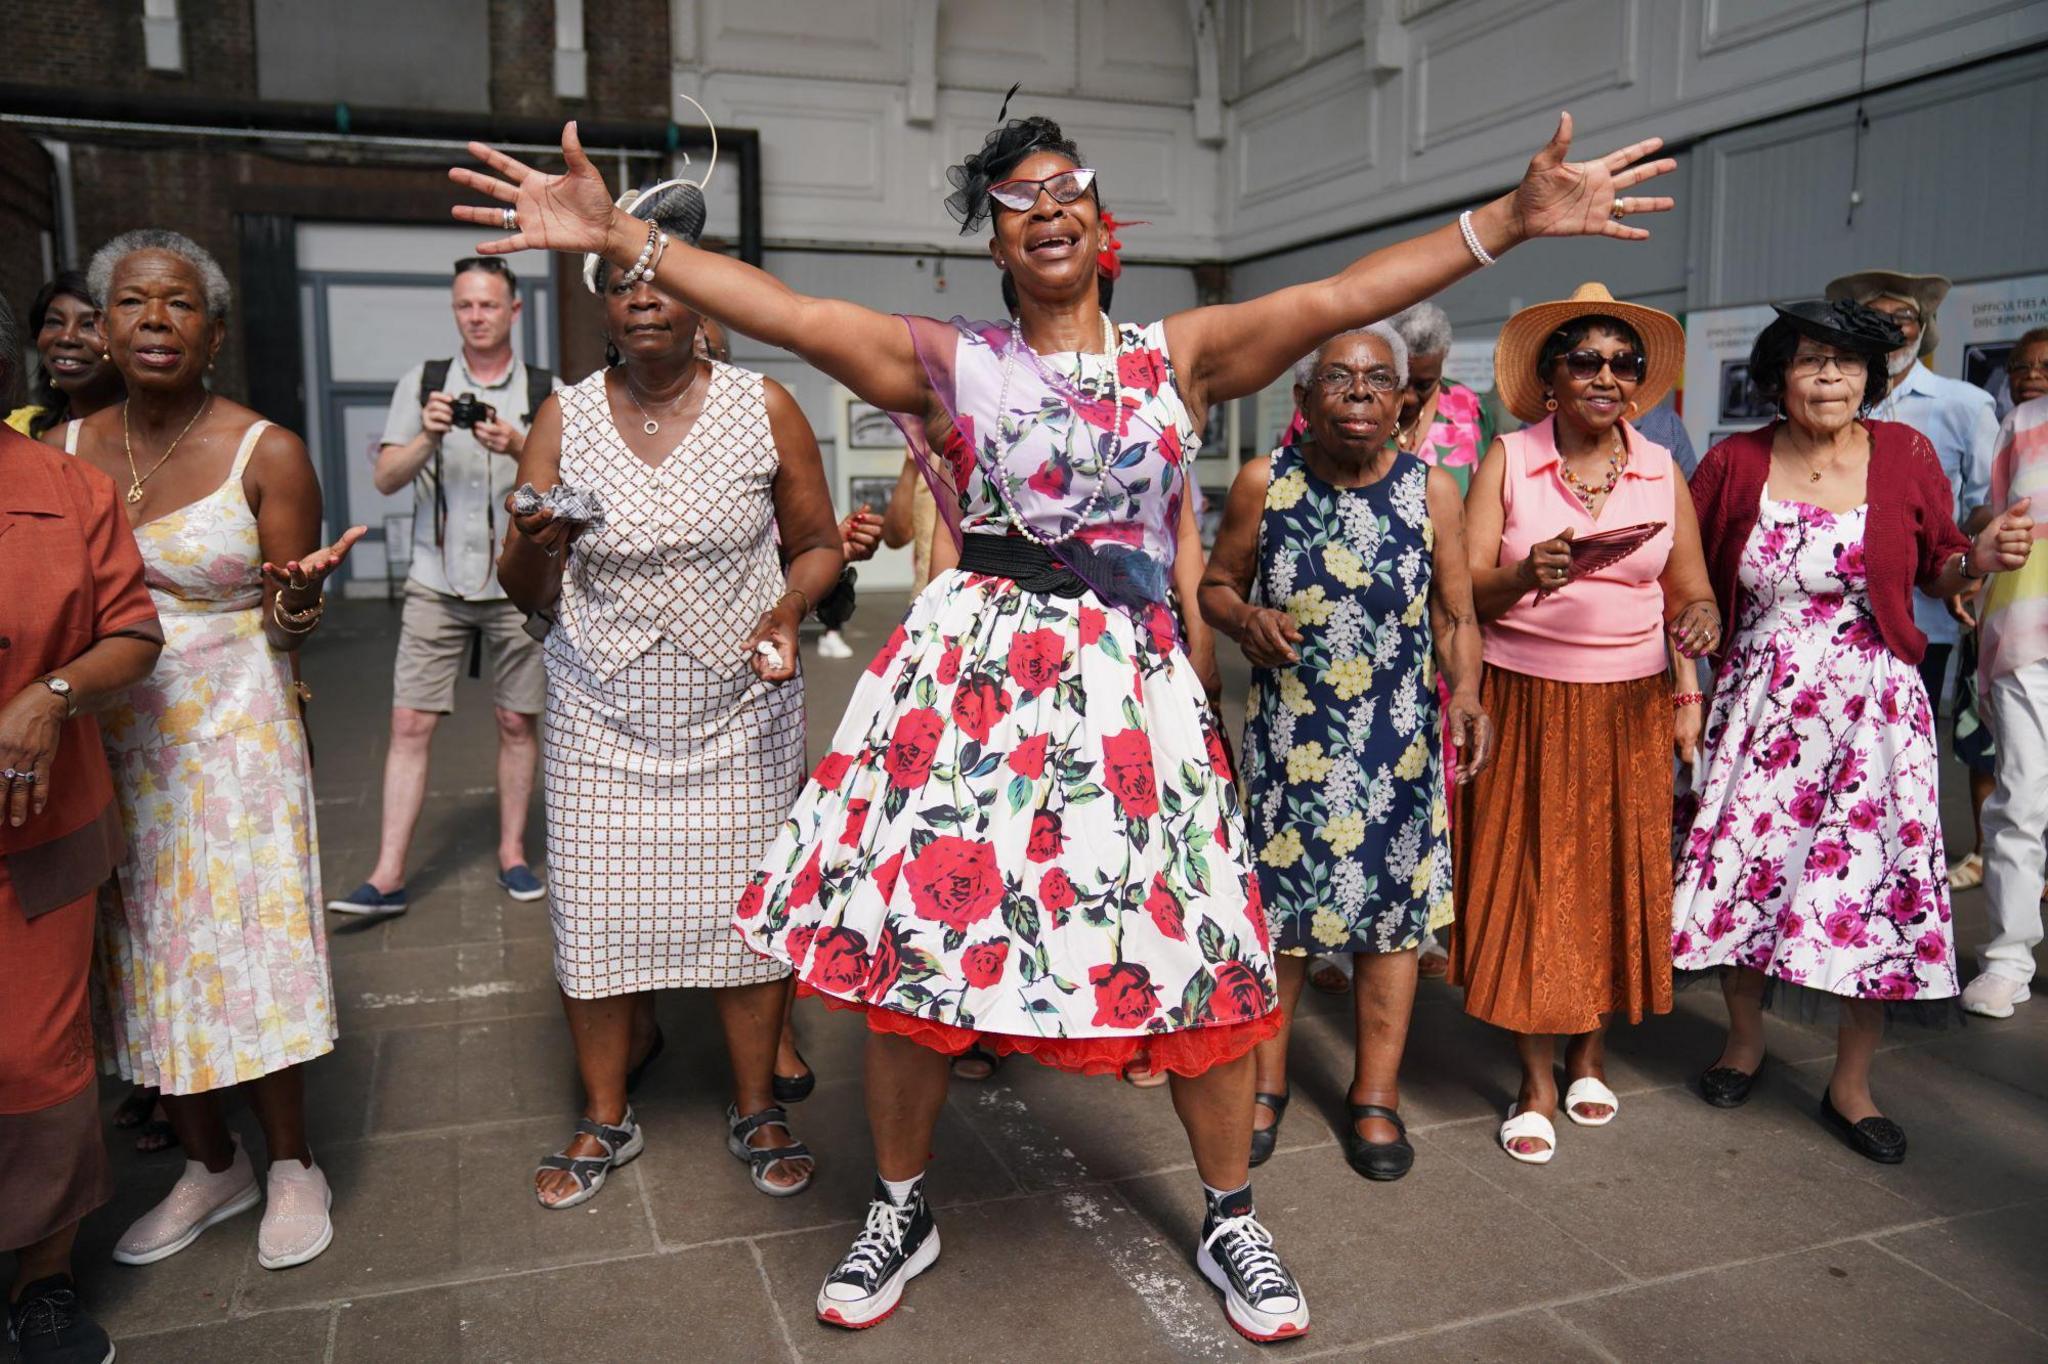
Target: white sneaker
(296, 1227)
(1992, 996)
(832, 644)
(200, 1199)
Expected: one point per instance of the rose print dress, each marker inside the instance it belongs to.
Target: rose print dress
(213, 956)
(1343, 755)
(1026, 826)
(1815, 856)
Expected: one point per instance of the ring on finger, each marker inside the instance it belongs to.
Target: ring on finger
(1621, 208)
(511, 220)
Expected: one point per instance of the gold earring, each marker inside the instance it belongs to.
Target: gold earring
(1549, 404)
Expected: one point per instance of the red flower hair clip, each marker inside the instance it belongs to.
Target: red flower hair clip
(1107, 262)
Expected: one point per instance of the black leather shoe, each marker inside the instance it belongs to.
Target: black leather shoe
(1264, 1141)
(794, 1089)
(1879, 1139)
(1727, 1087)
(1381, 1160)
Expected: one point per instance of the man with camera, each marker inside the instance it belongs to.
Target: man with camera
(455, 432)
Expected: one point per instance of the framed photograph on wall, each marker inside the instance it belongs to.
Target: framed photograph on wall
(863, 426)
(870, 490)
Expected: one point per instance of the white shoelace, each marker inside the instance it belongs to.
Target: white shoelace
(1249, 1247)
(878, 1240)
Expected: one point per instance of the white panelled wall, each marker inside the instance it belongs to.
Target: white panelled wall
(1286, 137)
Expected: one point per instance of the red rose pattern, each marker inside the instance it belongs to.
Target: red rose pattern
(1124, 996)
(856, 820)
(978, 704)
(1239, 994)
(1056, 894)
(955, 881)
(1127, 764)
(751, 899)
(913, 748)
(839, 960)
(880, 666)
(1165, 910)
(982, 964)
(1047, 839)
(804, 888)
(1028, 758)
(833, 770)
(1036, 658)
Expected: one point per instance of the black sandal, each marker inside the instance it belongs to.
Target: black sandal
(977, 1055)
(633, 1075)
(1263, 1141)
(794, 1089)
(759, 1159)
(620, 1145)
(1379, 1160)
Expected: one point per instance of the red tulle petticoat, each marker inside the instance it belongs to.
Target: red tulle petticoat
(1187, 1051)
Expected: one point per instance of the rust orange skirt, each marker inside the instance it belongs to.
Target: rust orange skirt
(1562, 851)
(1188, 1051)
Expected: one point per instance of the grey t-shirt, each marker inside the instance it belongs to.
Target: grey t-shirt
(475, 482)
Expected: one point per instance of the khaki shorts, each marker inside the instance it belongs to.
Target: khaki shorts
(435, 636)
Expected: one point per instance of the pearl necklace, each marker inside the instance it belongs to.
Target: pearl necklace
(1100, 472)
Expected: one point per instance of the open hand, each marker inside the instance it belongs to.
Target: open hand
(567, 212)
(1559, 198)
(298, 582)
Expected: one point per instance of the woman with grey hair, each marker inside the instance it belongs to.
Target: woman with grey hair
(216, 968)
(1442, 422)
(1341, 572)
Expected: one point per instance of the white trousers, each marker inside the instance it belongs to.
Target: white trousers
(2016, 821)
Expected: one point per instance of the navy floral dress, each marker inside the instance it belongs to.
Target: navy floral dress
(1343, 752)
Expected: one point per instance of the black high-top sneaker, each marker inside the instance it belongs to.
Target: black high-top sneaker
(898, 1243)
(1259, 1295)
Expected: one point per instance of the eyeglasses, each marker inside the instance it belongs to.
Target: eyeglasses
(2015, 368)
(1807, 366)
(1338, 379)
(1899, 315)
(1064, 188)
(1587, 364)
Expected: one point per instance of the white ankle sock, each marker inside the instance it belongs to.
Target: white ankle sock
(901, 1189)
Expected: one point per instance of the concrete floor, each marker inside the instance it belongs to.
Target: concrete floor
(1069, 1206)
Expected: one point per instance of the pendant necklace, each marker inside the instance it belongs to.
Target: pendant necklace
(647, 423)
(136, 480)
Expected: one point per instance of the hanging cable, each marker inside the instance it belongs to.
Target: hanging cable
(1862, 124)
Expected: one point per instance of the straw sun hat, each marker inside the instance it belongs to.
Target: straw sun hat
(1521, 341)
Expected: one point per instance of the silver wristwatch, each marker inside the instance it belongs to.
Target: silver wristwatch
(63, 689)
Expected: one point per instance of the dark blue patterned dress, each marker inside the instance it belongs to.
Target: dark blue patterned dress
(1343, 751)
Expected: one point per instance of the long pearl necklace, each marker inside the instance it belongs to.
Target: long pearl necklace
(1100, 472)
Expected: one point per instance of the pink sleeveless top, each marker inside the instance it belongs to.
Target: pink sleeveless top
(1609, 626)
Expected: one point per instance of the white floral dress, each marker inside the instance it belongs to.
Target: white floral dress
(212, 953)
(1815, 856)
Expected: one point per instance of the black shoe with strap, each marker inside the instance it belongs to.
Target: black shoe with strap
(1381, 1160)
(1265, 1139)
(48, 1326)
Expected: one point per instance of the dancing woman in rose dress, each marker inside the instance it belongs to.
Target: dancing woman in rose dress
(1025, 832)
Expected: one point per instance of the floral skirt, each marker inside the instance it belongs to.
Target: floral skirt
(1026, 830)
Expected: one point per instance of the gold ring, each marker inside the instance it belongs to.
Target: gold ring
(1618, 210)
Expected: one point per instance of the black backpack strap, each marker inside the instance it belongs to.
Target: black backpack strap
(539, 383)
(434, 378)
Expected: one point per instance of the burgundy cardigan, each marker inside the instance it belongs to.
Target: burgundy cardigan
(1908, 539)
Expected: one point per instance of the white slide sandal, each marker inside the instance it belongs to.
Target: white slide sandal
(1588, 1089)
(1528, 1125)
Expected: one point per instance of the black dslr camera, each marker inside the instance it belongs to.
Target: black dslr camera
(467, 410)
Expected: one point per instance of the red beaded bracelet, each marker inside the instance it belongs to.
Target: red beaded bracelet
(1687, 698)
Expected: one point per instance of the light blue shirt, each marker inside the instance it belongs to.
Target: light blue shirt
(1661, 424)
(1961, 421)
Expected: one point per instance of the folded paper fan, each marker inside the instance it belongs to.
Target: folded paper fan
(1605, 548)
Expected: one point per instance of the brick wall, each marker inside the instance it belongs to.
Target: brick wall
(628, 66)
(26, 213)
(99, 44)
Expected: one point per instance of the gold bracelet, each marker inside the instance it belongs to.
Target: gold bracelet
(798, 593)
(297, 622)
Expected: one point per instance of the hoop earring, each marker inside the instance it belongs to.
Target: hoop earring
(1549, 403)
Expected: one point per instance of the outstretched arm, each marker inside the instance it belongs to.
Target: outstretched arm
(869, 352)
(1232, 350)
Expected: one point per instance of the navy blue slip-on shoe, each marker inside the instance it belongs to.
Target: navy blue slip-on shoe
(367, 899)
(520, 883)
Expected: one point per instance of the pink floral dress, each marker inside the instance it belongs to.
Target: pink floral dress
(1026, 827)
(1815, 855)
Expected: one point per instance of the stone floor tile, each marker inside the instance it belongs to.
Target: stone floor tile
(455, 1074)
(1843, 1302)
(1472, 1250)
(1519, 1339)
(1995, 1257)
(274, 1338)
(1673, 1184)
(1055, 1129)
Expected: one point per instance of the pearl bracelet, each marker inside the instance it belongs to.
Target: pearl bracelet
(1472, 239)
(640, 268)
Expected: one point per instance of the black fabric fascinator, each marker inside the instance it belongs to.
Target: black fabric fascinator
(1001, 150)
(1839, 322)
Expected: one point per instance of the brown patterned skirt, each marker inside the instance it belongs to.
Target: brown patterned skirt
(1563, 855)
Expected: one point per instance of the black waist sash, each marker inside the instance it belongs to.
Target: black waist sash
(1024, 562)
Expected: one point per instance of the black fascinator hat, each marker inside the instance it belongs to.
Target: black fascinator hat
(1841, 323)
(1000, 152)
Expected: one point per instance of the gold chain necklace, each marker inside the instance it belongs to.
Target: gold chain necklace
(136, 480)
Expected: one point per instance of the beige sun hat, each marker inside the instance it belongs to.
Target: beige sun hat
(1926, 291)
(1521, 341)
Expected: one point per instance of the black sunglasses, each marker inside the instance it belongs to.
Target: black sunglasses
(1585, 364)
